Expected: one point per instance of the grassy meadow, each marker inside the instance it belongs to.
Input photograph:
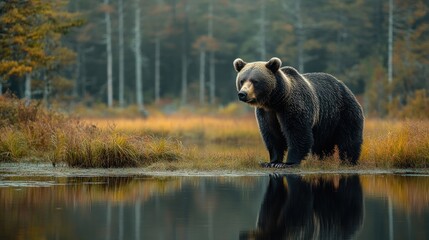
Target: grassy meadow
(231, 143)
(194, 142)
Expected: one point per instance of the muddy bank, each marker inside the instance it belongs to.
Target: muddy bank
(43, 169)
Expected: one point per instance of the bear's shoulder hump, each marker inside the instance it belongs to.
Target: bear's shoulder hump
(290, 71)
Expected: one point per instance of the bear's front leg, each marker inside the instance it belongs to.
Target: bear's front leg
(299, 135)
(300, 145)
(271, 134)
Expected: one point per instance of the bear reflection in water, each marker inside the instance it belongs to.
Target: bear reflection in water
(309, 208)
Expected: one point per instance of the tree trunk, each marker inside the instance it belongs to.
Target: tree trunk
(408, 85)
(157, 68)
(300, 38)
(202, 73)
(184, 95)
(82, 58)
(390, 50)
(109, 57)
(121, 52)
(46, 89)
(211, 56)
(296, 12)
(77, 74)
(262, 31)
(27, 92)
(212, 77)
(138, 57)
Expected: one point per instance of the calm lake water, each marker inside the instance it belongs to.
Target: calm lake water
(248, 207)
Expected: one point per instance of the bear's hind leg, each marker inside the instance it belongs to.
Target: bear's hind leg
(350, 152)
(324, 151)
(349, 140)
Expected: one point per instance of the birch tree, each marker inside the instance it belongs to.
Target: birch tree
(27, 91)
(212, 75)
(157, 68)
(202, 78)
(159, 19)
(121, 52)
(390, 49)
(204, 44)
(300, 35)
(262, 32)
(410, 33)
(109, 66)
(184, 55)
(296, 13)
(160, 25)
(138, 55)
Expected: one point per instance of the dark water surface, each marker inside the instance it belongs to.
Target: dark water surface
(308, 206)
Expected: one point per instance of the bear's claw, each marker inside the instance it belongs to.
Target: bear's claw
(278, 165)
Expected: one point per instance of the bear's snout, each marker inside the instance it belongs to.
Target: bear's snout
(246, 93)
(242, 95)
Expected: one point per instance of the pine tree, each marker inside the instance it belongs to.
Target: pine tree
(31, 33)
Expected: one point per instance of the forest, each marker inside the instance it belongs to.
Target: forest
(173, 54)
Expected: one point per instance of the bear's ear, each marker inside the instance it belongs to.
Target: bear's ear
(239, 64)
(274, 64)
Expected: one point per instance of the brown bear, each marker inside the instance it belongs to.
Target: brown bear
(300, 113)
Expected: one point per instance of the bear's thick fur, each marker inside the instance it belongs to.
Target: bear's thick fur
(301, 113)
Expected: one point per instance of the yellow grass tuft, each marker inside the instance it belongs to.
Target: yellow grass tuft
(402, 144)
(13, 145)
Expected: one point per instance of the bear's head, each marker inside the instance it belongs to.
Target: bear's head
(256, 80)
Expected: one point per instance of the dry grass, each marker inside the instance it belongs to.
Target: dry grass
(399, 144)
(387, 143)
(217, 129)
(28, 133)
(178, 142)
(211, 159)
(208, 142)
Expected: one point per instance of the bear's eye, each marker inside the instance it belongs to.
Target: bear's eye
(241, 82)
(253, 81)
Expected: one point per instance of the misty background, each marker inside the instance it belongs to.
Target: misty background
(179, 53)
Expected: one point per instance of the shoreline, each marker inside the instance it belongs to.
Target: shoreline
(47, 170)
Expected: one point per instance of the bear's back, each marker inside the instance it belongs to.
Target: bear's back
(329, 92)
(325, 85)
